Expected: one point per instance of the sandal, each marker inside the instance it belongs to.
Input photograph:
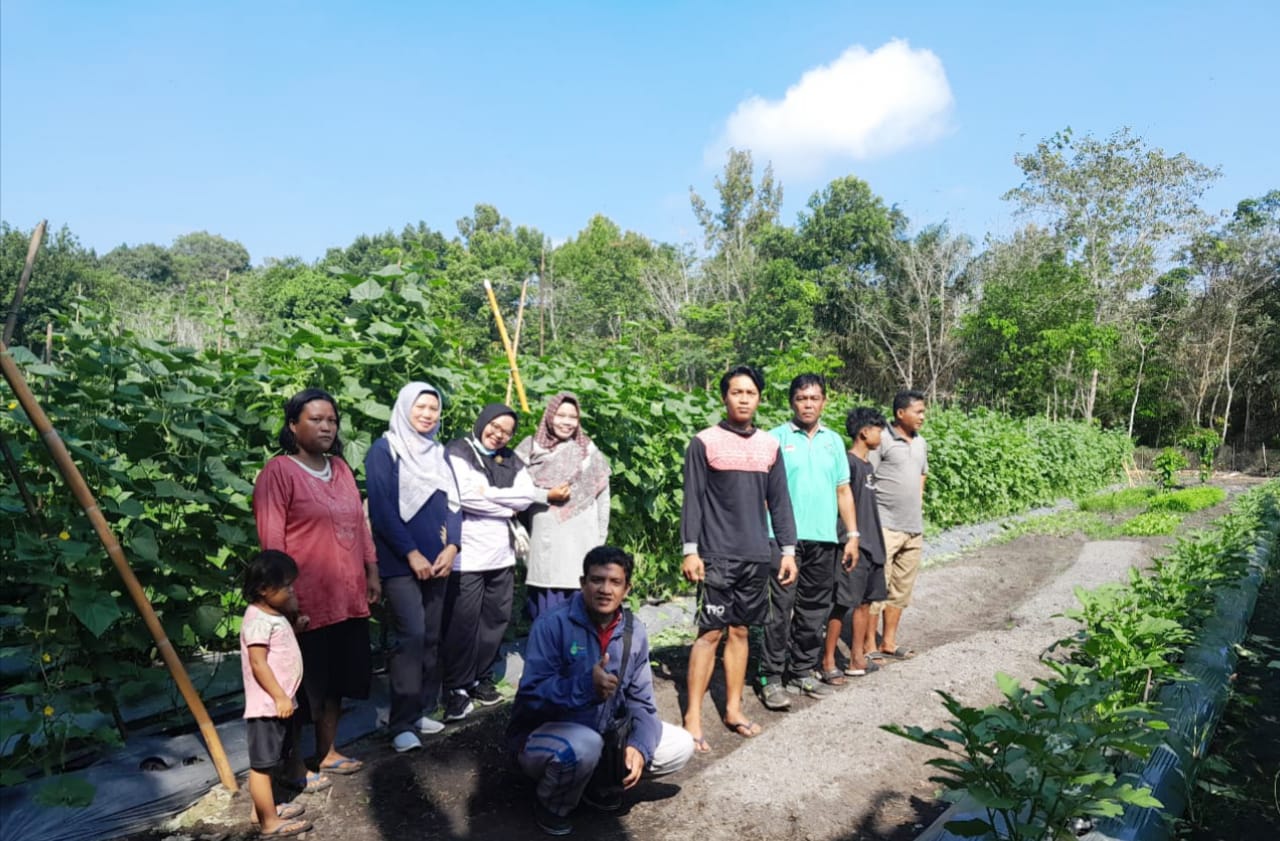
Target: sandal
(700, 745)
(344, 766)
(313, 782)
(832, 677)
(899, 653)
(287, 830)
(872, 666)
(285, 812)
(745, 729)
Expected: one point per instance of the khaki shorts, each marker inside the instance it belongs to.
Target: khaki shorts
(902, 562)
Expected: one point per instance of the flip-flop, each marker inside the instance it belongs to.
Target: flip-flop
(745, 729)
(285, 812)
(899, 653)
(700, 745)
(872, 666)
(833, 677)
(287, 830)
(344, 766)
(313, 782)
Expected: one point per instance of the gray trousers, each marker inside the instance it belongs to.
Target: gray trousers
(417, 617)
(562, 756)
(797, 623)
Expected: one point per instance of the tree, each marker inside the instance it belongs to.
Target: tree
(599, 285)
(202, 257)
(1118, 208)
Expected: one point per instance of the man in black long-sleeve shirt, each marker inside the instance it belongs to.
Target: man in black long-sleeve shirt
(734, 481)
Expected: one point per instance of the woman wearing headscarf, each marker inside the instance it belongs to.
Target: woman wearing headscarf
(494, 486)
(416, 515)
(307, 505)
(560, 453)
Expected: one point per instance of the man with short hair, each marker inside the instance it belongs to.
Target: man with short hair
(581, 674)
(818, 483)
(902, 465)
(734, 482)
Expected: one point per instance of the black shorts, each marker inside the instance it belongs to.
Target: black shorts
(336, 663)
(863, 584)
(270, 741)
(733, 593)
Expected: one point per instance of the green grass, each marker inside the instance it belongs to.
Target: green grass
(1188, 499)
(1061, 524)
(1152, 523)
(1121, 500)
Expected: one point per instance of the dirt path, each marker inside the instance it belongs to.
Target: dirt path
(824, 770)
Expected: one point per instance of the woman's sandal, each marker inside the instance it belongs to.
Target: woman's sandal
(700, 745)
(345, 765)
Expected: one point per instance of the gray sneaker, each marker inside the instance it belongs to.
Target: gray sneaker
(807, 686)
(773, 696)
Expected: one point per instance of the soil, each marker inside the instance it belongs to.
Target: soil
(824, 770)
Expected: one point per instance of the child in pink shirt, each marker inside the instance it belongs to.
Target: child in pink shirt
(271, 663)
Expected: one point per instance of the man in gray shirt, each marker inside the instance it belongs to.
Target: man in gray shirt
(901, 464)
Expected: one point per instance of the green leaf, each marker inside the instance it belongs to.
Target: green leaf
(66, 790)
(113, 424)
(206, 619)
(96, 610)
(370, 290)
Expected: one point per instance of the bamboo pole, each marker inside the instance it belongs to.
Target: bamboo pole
(11, 323)
(515, 343)
(506, 343)
(75, 481)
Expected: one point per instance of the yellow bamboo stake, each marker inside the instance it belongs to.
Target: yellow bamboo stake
(79, 489)
(506, 343)
(515, 344)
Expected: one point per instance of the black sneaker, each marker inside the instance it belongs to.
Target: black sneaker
(457, 706)
(607, 801)
(485, 693)
(548, 821)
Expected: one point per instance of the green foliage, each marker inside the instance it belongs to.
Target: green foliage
(1121, 500)
(1166, 466)
(1043, 756)
(986, 465)
(1188, 499)
(1060, 524)
(1151, 523)
(1054, 752)
(1204, 443)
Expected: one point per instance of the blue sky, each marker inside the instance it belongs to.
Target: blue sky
(292, 127)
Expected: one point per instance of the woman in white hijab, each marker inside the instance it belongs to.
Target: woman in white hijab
(416, 519)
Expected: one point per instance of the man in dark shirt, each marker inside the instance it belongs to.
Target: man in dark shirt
(734, 481)
(862, 582)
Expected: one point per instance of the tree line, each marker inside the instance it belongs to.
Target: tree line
(1117, 301)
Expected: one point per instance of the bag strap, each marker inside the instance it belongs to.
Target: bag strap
(628, 622)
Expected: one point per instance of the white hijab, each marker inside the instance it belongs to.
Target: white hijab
(423, 466)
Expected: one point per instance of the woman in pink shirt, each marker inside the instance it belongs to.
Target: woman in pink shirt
(306, 504)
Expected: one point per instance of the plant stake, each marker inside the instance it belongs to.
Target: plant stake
(506, 343)
(515, 344)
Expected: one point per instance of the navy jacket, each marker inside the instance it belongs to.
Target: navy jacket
(556, 685)
(429, 531)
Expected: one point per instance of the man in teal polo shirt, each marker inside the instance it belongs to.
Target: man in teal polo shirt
(818, 482)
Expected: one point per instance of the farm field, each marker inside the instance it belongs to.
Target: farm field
(824, 770)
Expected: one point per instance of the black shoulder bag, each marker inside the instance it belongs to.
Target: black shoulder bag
(611, 770)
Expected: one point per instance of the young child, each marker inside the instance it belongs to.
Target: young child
(272, 666)
(864, 583)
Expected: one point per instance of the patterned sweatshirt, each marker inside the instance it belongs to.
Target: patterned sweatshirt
(734, 482)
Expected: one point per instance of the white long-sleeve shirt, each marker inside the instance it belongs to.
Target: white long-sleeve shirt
(486, 537)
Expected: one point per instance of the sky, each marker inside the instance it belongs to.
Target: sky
(295, 127)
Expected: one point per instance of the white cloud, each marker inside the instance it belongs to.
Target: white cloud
(860, 106)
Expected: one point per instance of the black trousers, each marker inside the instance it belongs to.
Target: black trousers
(417, 618)
(477, 610)
(797, 623)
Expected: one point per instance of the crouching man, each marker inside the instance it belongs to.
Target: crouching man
(584, 724)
